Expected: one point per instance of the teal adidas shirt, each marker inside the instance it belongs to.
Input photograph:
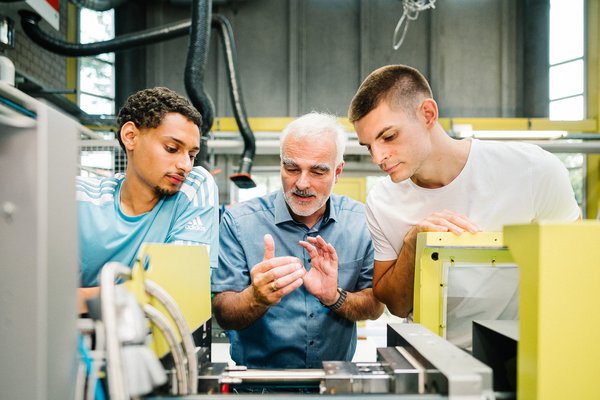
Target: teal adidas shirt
(191, 216)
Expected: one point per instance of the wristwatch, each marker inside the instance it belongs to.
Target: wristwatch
(338, 304)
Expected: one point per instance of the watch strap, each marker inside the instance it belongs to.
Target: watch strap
(340, 301)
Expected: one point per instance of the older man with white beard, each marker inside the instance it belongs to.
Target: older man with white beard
(292, 299)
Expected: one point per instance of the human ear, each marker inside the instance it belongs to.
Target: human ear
(338, 171)
(429, 111)
(129, 133)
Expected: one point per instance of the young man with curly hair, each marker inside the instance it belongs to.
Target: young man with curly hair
(161, 198)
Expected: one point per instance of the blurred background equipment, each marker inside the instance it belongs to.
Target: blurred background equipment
(38, 244)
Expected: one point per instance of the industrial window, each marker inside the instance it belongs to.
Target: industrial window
(97, 73)
(567, 79)
(567, 55)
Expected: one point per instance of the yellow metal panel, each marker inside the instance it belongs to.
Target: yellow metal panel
(136, 284)
(558, 348)
(101, 128)
(71, 61)
(593, 185)
(264, 124)
(184, 272)
(593, 103)
(355, 188)
(228, 124)
(436, 248)
(543, 124)
(446, 123)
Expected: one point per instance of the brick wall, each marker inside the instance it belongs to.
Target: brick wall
(46, 68)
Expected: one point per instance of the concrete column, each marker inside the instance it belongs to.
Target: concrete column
(130, 65)
(536, 25)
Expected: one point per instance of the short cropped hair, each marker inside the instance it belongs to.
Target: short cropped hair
(314, 125)
(400, 85)
(148, 107)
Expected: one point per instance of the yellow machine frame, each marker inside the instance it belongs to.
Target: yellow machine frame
(558, 351)
(434, 249)
(559, 267)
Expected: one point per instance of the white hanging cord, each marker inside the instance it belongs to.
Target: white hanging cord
(412, 8)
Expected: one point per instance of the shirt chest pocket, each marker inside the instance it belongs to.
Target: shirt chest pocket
(348, 273)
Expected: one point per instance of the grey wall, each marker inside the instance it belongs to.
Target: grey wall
(484, 58)
(300, 55)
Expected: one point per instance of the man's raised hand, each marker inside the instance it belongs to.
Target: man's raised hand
(275, 277)
(322, 279)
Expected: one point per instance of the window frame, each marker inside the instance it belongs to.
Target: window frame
(105, 58)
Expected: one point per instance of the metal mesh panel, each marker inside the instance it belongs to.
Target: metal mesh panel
(101, 157)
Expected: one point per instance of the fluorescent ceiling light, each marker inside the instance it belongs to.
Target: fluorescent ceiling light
(465, 131)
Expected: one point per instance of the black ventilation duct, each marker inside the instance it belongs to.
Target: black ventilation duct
(242, 178)
(195, 67)
(194, 70)
(30, 21)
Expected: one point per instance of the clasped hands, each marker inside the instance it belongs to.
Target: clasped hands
(276, 277)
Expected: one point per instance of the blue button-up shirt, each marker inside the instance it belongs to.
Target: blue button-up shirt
(298, 332)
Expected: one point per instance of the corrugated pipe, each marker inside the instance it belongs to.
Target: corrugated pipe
(194, 71)
(30, 21)
(195, 67)
(242, 178)
(98, 5)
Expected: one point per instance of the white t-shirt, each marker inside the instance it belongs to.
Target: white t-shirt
(501, 183)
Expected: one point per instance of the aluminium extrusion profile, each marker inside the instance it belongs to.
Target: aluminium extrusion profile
(466, 377)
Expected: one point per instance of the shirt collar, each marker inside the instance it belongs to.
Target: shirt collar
(282, 213)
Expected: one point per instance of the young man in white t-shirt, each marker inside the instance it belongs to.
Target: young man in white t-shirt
(437, 183)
